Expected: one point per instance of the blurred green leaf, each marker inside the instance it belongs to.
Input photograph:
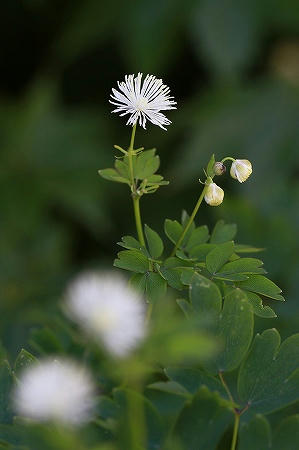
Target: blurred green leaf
(6, 383)
(286, 436)
(269, 377)
(256, 434)
(24, 360)
(203, 421)
(193, 379)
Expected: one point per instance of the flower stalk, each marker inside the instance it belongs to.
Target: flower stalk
(190, 221)
(135, 196)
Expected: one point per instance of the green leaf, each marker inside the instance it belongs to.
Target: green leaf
(137, 282)
(203, 421)
(223, 232)
(130, 243)
(217, 257)
(286, 436)
(200, 251)
(122, 168)
(146, 164)
(186, 307)
(193, 379)
(173, 230)
(247, 249)
(230, 276)
(205, 296)
(24, 359)
(173, 276)
(6, 383)
(112, 175)
(154, 242)
(262, 285)
(210, 167)
(258, 308)
(234, 330)
(133, 260)
(244, 265)
(198, 236)
(155, 287)
(255, 435)
(169, 386)
(269, 377)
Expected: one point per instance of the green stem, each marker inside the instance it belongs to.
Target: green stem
(130, 156)
(228, 158)
(135, 196)
(226, 387)
(138, 219)
(190, 221)
(235, 432)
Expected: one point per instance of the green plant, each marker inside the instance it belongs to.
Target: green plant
(200, 378)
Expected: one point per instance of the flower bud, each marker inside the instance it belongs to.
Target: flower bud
(214, 195)
(241, 169)
(219, 168)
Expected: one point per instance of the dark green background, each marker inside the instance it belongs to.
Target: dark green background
(233, 67)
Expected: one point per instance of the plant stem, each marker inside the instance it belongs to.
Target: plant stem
(135, 196)
(235, 432)
(226, 387)
(130, 156)
(190, 221)
(138, 219)
(228, 158)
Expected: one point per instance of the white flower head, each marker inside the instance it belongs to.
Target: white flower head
(55, 390)
(241, 169)
(214, 195)
(108, 309)
(143, 101)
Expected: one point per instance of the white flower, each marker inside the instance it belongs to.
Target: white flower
(55, 390)
(214, 195)
(241, 169)
(143, 101)
(107, 308)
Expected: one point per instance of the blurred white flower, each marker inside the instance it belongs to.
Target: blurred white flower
(214, 195)
(143, 101)
(107, 308)
(241, 169)
(55, 390)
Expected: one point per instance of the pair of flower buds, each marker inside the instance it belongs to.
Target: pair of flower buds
(240, 170)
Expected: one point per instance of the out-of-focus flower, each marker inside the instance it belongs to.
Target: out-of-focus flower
(214, 195)
(241, 169)
(109, 310)
(55, 390)
(143, 101)
(219, 168)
